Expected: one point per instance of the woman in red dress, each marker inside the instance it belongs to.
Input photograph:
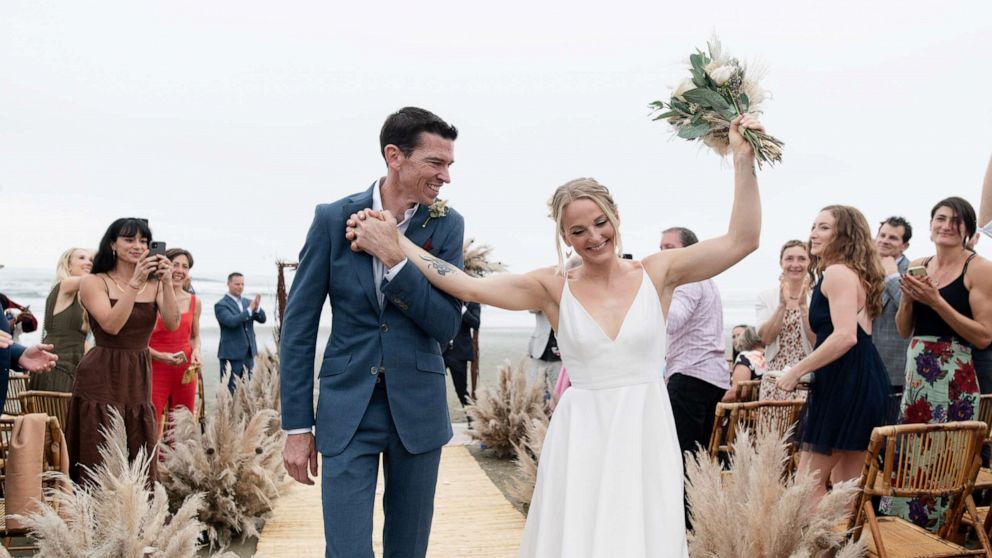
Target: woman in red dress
(174, 352)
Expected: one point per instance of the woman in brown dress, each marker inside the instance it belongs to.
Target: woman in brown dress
(123, 295)
(65, 321)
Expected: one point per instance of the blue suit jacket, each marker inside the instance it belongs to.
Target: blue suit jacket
(8, 358)
(237, 328)
(404, 338)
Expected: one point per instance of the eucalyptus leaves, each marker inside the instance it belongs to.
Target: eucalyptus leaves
(703, 105)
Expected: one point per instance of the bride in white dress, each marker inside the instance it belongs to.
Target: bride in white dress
(610, 477)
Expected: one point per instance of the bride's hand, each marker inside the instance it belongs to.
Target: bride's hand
(738, 143)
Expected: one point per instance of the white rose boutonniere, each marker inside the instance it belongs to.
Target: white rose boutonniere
(437, 210)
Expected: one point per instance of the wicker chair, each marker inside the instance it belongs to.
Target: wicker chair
(747, 391)
(51, 461)
(757, 416)
(934, 460)
(52, 403)
(17, 384)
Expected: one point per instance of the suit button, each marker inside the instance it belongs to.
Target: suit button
(374, 371)
(384, 328)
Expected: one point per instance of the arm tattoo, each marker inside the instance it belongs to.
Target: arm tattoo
(442, 267)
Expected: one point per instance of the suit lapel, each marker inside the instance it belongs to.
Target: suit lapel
(420, 228)
(360, 261)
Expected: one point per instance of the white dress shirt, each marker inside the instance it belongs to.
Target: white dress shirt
(379, 271)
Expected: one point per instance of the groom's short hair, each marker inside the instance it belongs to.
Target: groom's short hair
(403, 129)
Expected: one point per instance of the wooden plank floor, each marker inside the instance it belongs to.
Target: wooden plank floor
(471, 517)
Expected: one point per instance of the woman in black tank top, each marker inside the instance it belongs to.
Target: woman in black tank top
(948, 313)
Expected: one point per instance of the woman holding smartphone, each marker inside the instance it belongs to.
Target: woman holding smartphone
(175, 352)
(128, 287)
(946, 306)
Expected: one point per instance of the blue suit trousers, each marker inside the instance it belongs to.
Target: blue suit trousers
(348, 482)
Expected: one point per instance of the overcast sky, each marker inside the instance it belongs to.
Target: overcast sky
(224, 122)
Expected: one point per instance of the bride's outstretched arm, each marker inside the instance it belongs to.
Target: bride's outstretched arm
(711, 257)
(505, 290)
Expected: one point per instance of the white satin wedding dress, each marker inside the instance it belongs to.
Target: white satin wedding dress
(610, 479)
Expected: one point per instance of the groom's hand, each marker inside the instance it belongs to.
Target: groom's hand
(376, 234)
(299, 453)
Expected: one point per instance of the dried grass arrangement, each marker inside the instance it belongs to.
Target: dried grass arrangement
(116, 515)
(502, 413)
(261, 392)
(235, 461)
(528, 453)
(477, 262)
(757, 510)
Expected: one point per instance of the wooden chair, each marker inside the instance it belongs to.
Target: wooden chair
(920, 460)
(52, 403)
(17, 384)
(51, 461)
(747, 391)
(757, 416)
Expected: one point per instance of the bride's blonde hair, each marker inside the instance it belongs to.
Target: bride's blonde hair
(582, 189)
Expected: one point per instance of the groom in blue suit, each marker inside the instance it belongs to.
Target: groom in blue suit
(381, 380)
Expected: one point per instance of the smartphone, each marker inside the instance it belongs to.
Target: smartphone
(917, 271)
(156, 248)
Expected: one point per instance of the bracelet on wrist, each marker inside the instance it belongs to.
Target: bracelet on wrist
(133, 287)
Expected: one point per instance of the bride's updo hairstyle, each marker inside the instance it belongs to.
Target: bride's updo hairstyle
(582, 189)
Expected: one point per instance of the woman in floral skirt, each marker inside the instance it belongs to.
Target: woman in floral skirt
(949, 313)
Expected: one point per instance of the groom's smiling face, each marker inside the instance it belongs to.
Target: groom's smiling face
(424, 171)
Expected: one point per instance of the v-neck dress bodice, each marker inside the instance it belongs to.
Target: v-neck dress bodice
(609, 481)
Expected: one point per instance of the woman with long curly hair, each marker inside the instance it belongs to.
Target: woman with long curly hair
(948, 312)
(848, 395)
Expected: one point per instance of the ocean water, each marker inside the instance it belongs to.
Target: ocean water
(504, 335)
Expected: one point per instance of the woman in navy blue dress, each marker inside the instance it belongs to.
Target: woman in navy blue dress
(849, 393)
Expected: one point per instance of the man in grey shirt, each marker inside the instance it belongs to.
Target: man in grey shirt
(892, 241)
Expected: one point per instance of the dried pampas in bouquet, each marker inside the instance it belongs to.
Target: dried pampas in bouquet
(719, 89)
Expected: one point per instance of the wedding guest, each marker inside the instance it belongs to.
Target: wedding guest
(696, 370)
(174, 352)
(734, 332)
(983, 357)
(783, 317)
(848, 394)
(892, 241)
(66, 325)
(460, 351)
(125, 291)
(750, 361)
(948, 312)
(14, 356)
(237, 316)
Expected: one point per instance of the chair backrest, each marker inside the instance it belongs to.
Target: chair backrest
(16, 384)
(756, 416)
(747, 391)
(924, 460)
(985, 410)
(52, 403)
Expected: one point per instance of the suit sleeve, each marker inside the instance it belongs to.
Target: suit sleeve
(892, 292)
(473, 315)
(227, 317)
(259, 316)
(298, 338)
(16, 350)
(436, 312)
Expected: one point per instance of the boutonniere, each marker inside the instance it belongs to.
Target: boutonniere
(437, 210)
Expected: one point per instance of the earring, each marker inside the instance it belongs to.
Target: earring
(114, 251)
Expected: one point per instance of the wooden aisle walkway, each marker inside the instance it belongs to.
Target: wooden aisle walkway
(471, 517)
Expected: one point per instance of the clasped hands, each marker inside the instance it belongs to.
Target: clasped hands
(375, 233)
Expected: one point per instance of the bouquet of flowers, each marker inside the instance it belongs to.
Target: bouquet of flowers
(703, 105)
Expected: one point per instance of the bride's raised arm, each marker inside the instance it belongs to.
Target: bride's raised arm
(710, 257)
(504, 290)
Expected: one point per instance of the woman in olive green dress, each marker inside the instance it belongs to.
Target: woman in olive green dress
(65, 321)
